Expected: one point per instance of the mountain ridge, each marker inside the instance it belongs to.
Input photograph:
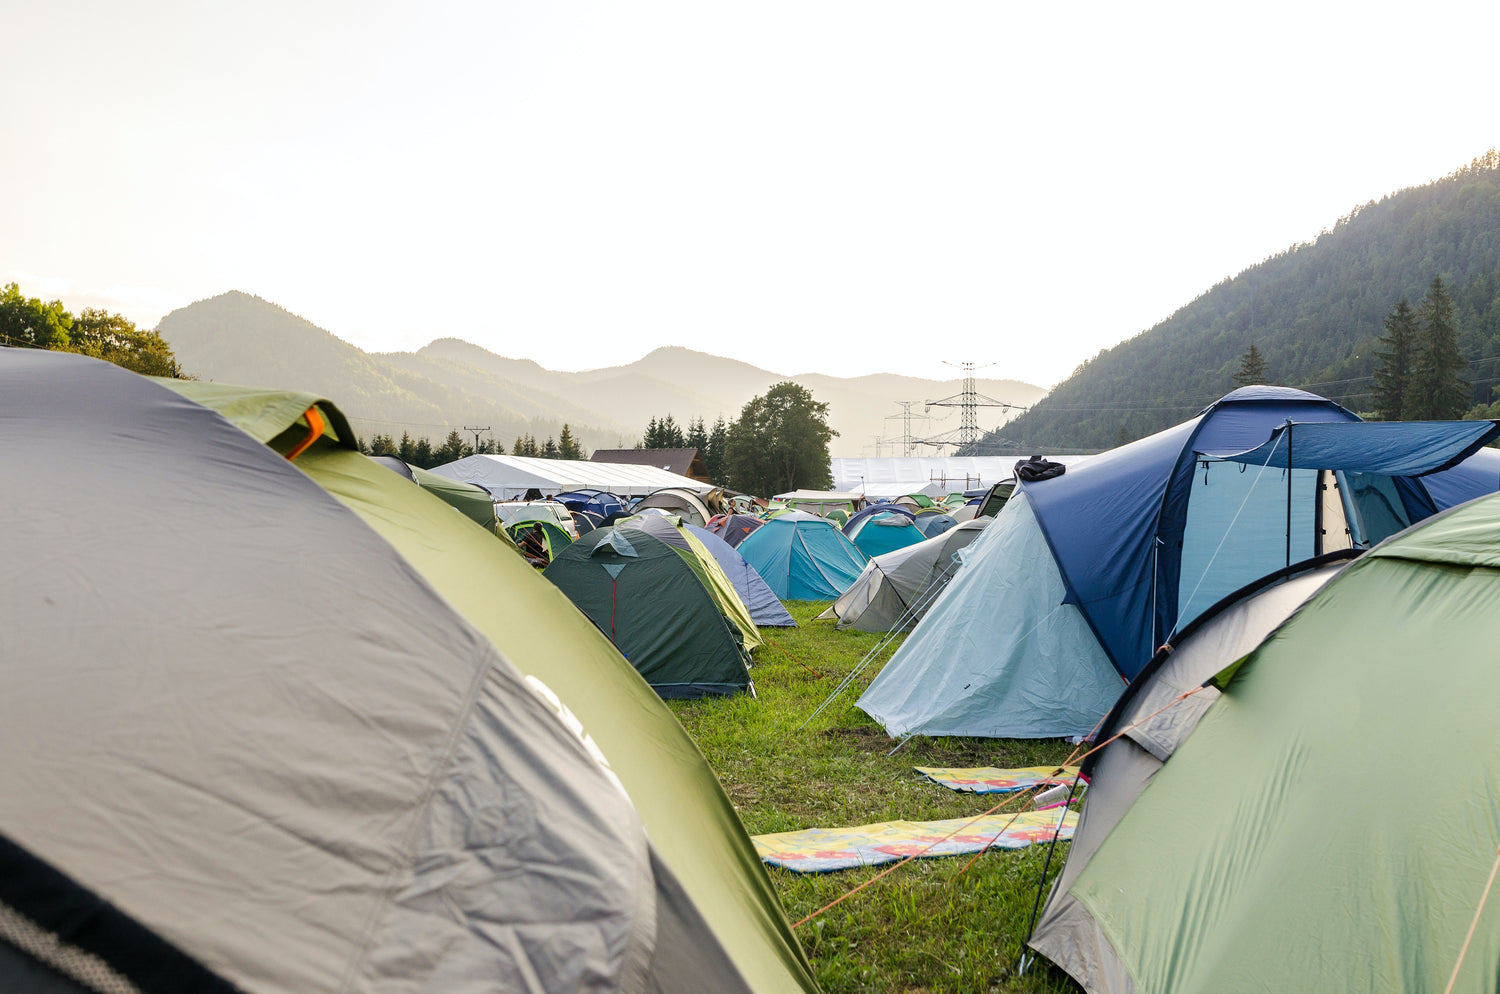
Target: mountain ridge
(239, 337)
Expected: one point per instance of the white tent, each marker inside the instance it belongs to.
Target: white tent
(897, 475)
(509, 477)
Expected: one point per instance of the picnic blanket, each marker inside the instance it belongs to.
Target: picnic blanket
(988, 780)
(819, 850)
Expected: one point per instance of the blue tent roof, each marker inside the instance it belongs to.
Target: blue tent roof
(765, 610)
(1390, 448)
(1474, 477)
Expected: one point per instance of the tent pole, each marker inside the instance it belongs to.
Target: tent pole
(1041, 884)
(1289, 493)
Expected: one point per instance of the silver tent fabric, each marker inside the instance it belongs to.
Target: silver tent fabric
(236, 713)
(899, 586)
(1066, 932)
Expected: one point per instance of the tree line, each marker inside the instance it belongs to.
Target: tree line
(28, 322)
(420, 452)
(778, 443)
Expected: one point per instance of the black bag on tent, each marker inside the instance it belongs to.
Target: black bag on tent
(1036, 468)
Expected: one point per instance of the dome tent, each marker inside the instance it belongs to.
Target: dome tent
(253, 729)
(1066, 596)
(803, 557)
(899, 587)
(1268, 852)
(686, 811)
(882, 528)
(734, 528)
(652, 600)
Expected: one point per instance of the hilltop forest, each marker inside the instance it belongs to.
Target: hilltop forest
(1314, 313)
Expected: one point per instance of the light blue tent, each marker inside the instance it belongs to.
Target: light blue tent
(765, 609)
(881, 530)
(1068, 593)
(803, 557)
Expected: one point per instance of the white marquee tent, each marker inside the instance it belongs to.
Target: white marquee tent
(509, 477)
(932, 475)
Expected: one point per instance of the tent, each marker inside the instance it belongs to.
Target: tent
(733, 528)
(593, 502)
(821, 501)
(686, 504)
(1152, 722)
(697, 832)
(671, 529)
(1280, 846)
(652, 600)
(934, 523)
(803, 557)
(250, 747)
(899, 587)
(538, 540)
(882, 528)
(1066, 596)
(764, 607)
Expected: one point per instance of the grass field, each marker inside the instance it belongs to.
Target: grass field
(928, 926)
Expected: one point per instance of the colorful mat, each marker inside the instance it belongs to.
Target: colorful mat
(988, 780)
(819, 850)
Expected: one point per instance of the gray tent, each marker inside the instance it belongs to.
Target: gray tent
(237, 720)
(897, 588)
(1066, 932)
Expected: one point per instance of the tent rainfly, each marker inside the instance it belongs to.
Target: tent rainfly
(1267, 852)
(275, 765)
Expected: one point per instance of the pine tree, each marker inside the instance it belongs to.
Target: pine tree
(453, 449)
(1252, 368)
(422, 454)
(713, 454)
(1394, 371)
(519, 449)
(408, 448)
(567, 445)
(1436, 391)
(550, 449)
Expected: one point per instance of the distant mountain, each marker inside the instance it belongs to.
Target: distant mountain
(1314, 312)
(239, 338)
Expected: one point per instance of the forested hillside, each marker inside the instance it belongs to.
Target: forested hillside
(1314, 313)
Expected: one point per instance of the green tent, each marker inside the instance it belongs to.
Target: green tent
(671, 529)
(538, 540)
(1330, 822)
(653, 600)
(683, 807)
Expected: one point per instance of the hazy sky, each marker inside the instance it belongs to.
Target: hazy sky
(785, 183)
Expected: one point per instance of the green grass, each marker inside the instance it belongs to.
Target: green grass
(927, 927)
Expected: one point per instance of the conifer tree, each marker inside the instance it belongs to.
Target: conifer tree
(518, 449)
(1436, 390)
(1252, 368)
(550, 449)
(567, 445)
(1394, 371)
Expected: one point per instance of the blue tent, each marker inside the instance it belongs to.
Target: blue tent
(876, 531)
(803, 557)
(1068, 593)
(765, 609)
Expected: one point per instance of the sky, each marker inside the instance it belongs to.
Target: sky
(810, 186)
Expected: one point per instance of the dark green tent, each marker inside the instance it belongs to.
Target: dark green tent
(653, 602)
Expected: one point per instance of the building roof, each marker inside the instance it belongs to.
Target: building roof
(683, 462)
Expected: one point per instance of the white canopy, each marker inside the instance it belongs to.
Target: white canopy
(509, 477)
(897, 475)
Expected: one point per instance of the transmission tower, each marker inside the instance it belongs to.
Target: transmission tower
(968, 402)
(909, 442)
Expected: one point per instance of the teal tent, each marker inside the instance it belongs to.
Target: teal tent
(880, 531)
(803, 557)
